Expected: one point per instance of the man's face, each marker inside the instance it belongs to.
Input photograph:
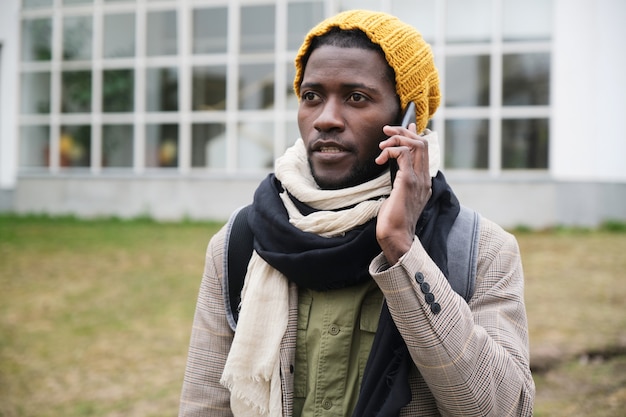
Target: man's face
(345, 100)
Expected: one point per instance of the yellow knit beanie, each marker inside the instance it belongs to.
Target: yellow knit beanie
(405, 50)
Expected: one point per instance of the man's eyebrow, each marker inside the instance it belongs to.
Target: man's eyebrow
(347, 86)
(310, 85)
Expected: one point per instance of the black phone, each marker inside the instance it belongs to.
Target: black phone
(407, 118)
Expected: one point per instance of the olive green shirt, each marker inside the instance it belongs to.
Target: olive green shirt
(335, 334)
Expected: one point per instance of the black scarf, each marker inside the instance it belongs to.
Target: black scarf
(311, 261)
(322, 263)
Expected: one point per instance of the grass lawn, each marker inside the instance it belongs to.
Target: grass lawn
(95, 316)
(575, 298)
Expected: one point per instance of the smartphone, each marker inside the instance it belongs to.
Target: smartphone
(407, 119)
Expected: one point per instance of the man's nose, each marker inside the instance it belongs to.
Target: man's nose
(330, 117)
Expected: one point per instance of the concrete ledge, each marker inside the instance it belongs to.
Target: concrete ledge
(6, 200)
(162, 198)
(534, 203)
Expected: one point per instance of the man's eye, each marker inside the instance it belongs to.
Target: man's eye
(357, 97)
(308, 96)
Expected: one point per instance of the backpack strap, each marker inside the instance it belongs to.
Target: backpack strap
(238, 246)
(463, 252)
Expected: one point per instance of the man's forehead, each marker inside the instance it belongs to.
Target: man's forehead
(352, 67)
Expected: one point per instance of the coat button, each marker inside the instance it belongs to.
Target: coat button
(425, 287)
(435, 308)
(430, 297)
(327, 404)
(419, 277)
(333, 329)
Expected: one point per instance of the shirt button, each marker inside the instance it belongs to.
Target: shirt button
(327, 404)
(333, 329)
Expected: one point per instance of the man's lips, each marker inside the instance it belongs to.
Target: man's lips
(328, 146)
(330, 154)
(330, 149)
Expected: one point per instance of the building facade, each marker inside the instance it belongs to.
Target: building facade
(178, 108)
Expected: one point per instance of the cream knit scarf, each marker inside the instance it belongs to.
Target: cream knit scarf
(252, 370)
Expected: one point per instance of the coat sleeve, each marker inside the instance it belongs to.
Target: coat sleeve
(211, 337)
(474, 357)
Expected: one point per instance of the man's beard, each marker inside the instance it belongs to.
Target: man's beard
(359, 174)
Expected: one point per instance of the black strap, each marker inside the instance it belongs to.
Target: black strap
(239, 244)
(462, 246)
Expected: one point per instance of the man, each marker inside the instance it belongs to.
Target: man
(347, 307)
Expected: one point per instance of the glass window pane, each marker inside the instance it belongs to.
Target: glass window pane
(34, 146)
(527, 20)
(76, 91)
(525, 143)
(526, 79)
(359, 4)
(210, 30)
(257, 29)
(162, 89)
(208, 145)
(292, 133)
(467, 144)
(33, 4)
(36, 40)
(75, 146)
(70, 2)
(117, 146)
(468, 21)
(292, 99)
(118, 90)
(418, 13)
(119, 35)
(301, 17)
(77, 32)
(256, 145)
(161, 36)
(256, 86)
(467, 80)
(209, 88)
(35, 92)
(161, 145)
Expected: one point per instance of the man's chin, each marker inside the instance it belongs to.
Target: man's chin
(337, 183)
(329, 183)
(327, 180)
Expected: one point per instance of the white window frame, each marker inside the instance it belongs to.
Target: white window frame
(280, 115)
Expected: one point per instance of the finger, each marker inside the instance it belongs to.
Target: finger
(422, 159)
(398, 141)
(391, 152)
(411, 157)
(400, 131)
(409, 131)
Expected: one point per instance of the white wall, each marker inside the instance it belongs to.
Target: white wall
(588, 143)
(588, 138)
(9, 39)
(510, 203)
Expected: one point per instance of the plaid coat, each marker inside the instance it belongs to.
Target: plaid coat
(470, 359)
